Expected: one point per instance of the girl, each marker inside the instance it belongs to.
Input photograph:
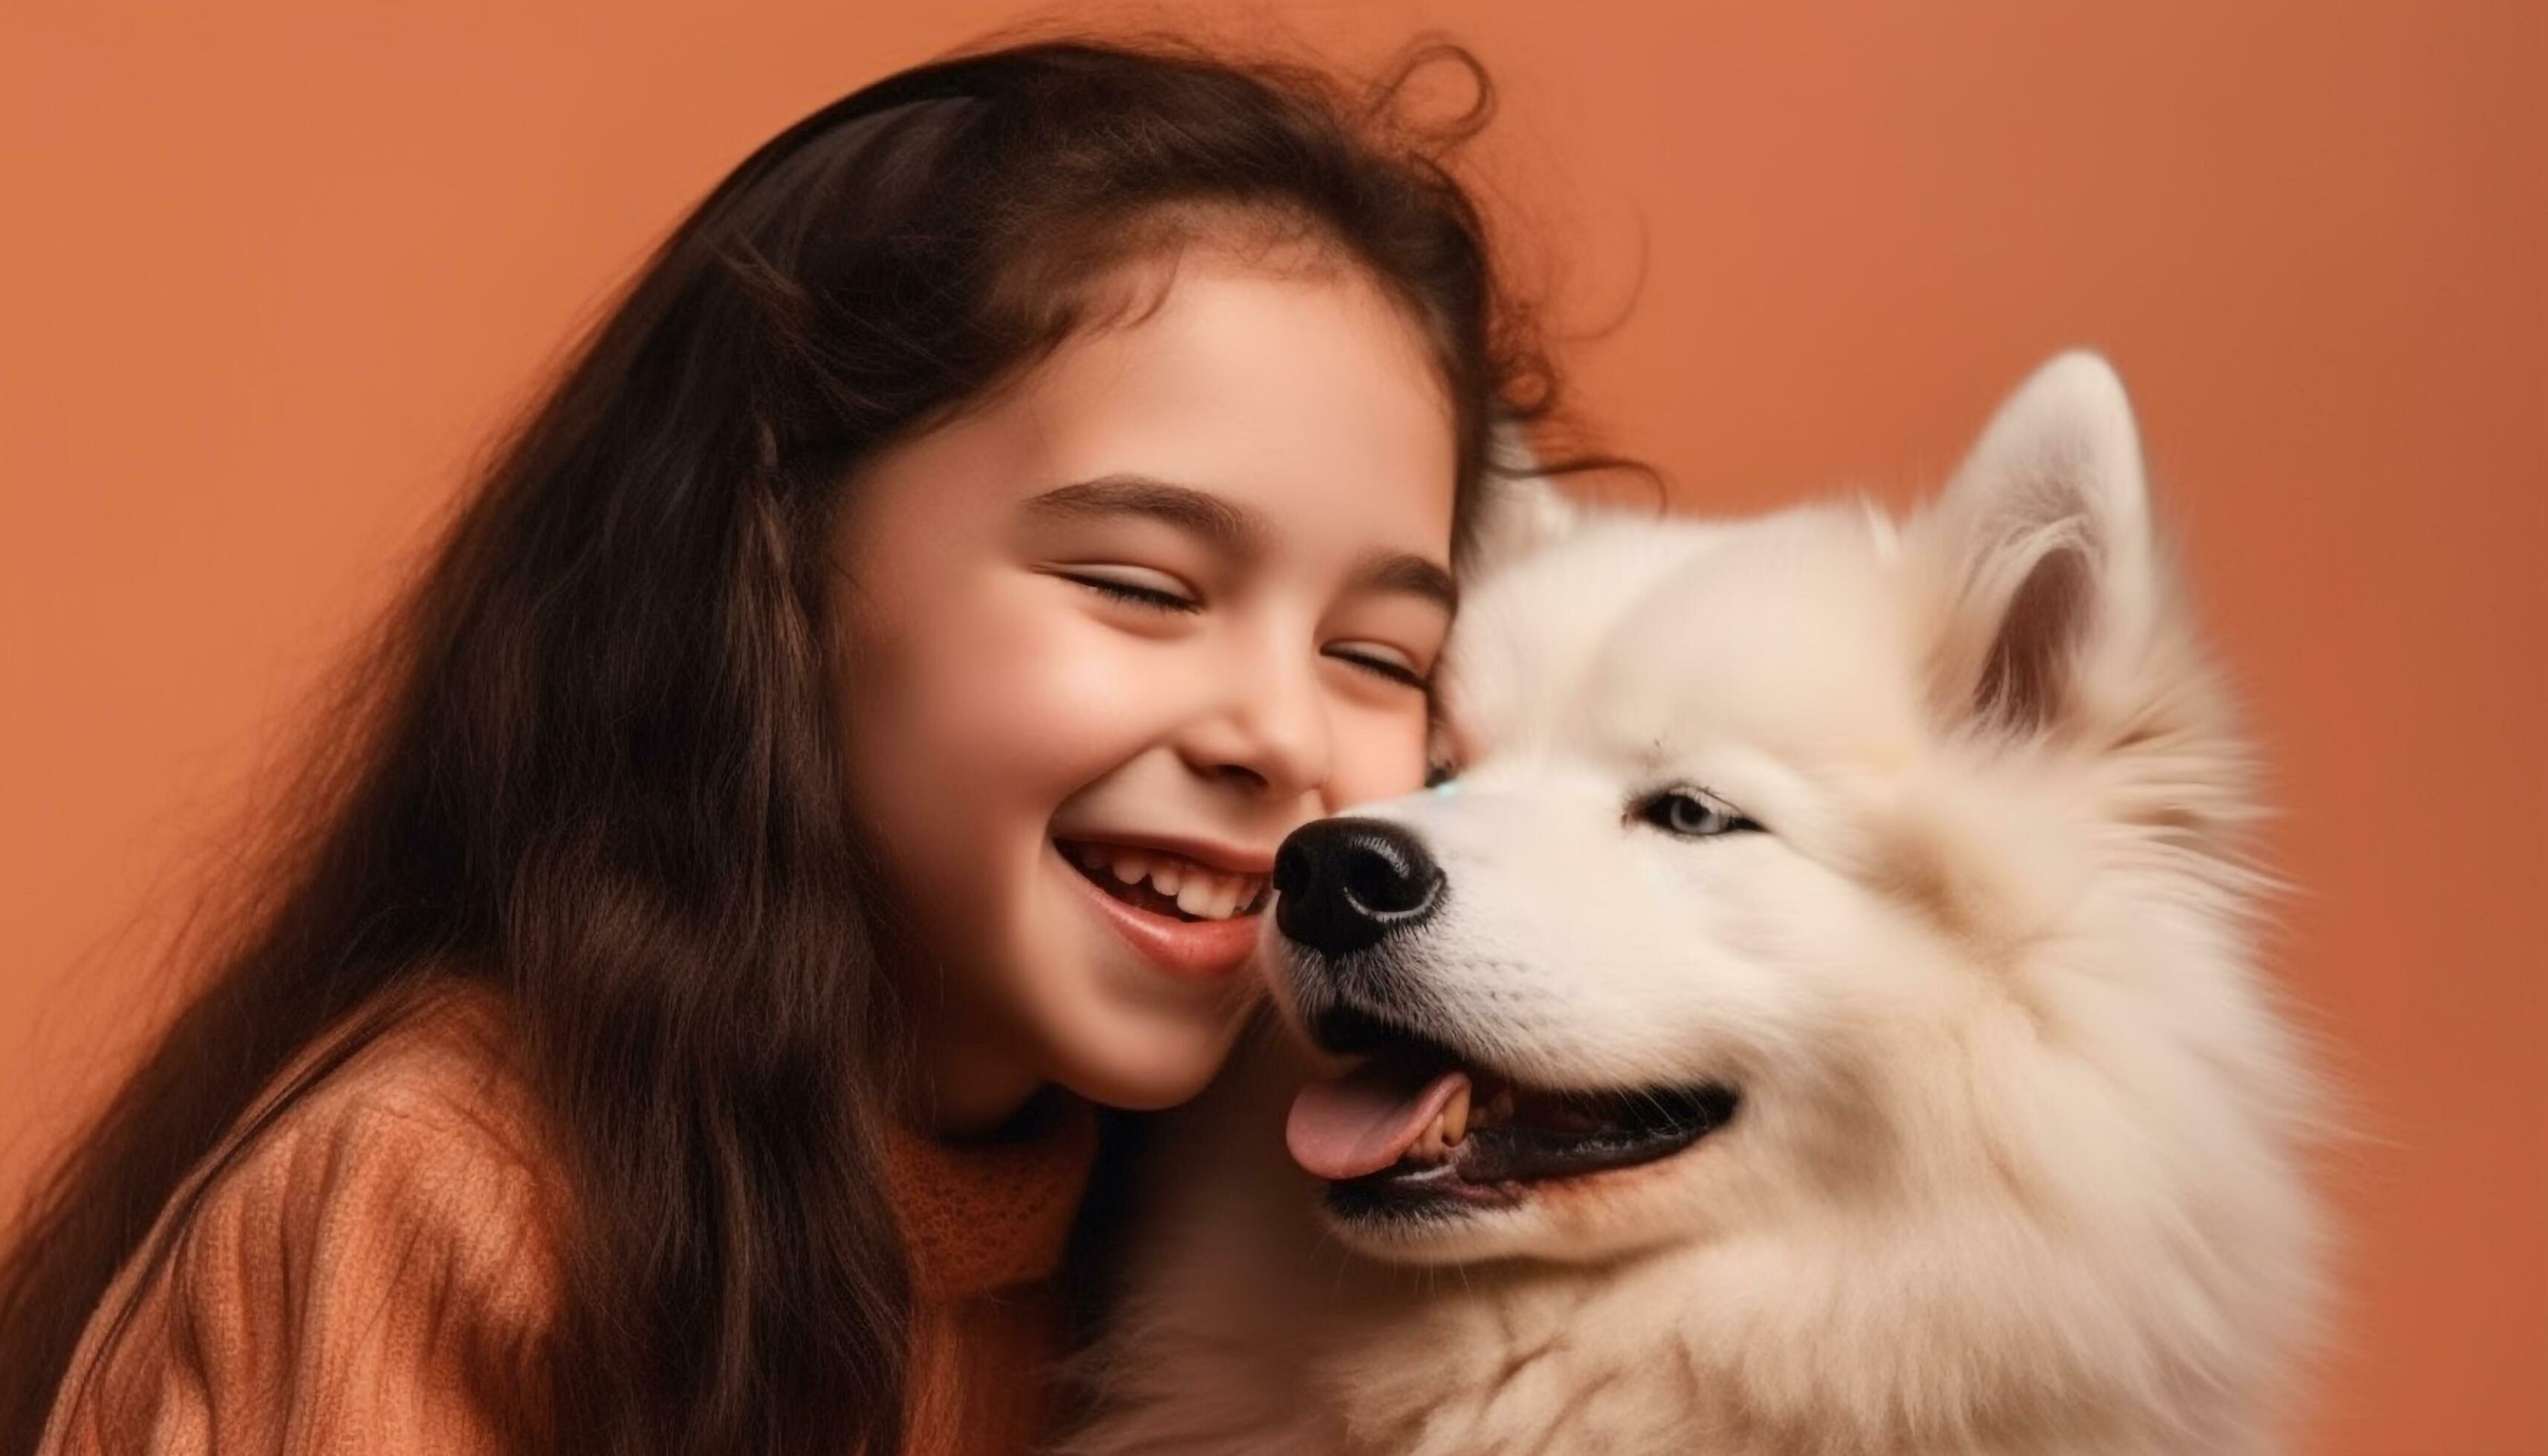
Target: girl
(843, 740)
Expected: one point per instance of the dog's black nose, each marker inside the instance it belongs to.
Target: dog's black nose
(1343, 883)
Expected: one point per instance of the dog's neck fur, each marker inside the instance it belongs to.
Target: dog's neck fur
(1862, 1355)
(1545, 1363)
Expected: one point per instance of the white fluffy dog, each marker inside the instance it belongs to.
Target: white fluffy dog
(1818, 1019)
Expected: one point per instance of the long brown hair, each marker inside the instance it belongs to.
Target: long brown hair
(592, 759)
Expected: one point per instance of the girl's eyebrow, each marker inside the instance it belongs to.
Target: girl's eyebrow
(1233, 528)
(1412, 576)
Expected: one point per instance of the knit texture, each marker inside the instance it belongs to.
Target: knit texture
(375, 1274)
(986, 1224)
(380, 1273)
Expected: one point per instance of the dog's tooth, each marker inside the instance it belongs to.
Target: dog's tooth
(1428, 1146)
(1130, 866)
(1455, 1117)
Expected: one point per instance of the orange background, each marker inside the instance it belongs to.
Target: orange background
(273, 269)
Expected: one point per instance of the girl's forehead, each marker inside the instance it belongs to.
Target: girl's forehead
(1305, 401)
(1301, 391)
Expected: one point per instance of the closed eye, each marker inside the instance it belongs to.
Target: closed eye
(1135, 587)
(1157, 591)
(1376, 663)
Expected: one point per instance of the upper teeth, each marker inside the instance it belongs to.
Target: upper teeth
(1205, 893)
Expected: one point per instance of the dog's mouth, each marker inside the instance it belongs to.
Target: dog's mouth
(1418, 1128)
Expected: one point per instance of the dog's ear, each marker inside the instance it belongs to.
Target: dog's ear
(1518, 511)
(2040, 555)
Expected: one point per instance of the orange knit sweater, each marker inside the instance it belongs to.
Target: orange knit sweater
(378, 1273)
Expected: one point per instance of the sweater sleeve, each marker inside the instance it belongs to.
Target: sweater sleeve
(375, 1273)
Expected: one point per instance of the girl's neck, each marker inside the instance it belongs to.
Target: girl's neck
(964, 1089)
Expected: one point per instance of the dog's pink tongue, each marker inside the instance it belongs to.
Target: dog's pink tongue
(1364, 1120)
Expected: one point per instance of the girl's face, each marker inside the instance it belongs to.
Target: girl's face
(1109, 639)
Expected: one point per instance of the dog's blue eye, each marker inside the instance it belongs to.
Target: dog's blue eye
(1692, 814)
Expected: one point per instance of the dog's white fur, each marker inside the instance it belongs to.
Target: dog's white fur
(2017, 1167)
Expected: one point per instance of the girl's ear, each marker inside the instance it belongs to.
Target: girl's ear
(2041, 553)
(1520, 511)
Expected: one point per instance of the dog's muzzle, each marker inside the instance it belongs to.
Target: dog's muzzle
(1344, 884)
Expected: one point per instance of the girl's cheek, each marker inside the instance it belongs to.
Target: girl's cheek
(1382, 756)
(1054, 695)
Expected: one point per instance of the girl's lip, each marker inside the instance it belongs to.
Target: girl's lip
(1193, 949)
(1223, 858)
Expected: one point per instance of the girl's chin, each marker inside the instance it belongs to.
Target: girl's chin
(1145, 1058)
(1142, 1097)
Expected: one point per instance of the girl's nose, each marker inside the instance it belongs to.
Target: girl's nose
(1269, 730)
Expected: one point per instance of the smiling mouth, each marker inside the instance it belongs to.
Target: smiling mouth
(1165, 884)
(1419, 1131)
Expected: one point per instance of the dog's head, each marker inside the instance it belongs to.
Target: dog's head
(1812, 883)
